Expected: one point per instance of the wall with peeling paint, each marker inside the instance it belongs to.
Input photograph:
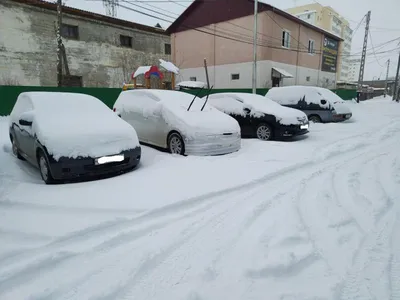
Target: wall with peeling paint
(28, 48)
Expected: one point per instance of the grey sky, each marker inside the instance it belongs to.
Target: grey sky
(384, 22)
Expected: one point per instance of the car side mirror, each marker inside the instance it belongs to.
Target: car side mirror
(247, 110)
(323, 101)
(23, 122)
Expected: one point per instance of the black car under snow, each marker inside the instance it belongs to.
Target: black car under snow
(71, 135)
(260, 117)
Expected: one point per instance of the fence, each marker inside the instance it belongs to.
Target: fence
(9, 94)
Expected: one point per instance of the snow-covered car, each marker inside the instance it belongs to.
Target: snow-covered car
(70, 135)
(260, 117)
(179, 122)
(319, 104)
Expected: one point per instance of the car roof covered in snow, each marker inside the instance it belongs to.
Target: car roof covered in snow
(258, 105)
(64, 102)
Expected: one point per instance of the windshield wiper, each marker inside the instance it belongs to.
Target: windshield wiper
(208, 94)
(195, 98)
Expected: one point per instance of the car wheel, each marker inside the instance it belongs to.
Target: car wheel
(44, 168)
(176, 144)
(15, 150)
(264, 132)
(314, 119)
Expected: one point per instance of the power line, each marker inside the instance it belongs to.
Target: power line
(237, 37)
(372, 45)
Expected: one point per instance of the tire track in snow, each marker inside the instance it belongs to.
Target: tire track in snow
(135, 274)
(264, 205)
(375, 269)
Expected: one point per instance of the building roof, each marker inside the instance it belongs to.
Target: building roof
(91, 15)
(174, 27)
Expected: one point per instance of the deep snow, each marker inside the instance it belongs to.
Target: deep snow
(316, 218)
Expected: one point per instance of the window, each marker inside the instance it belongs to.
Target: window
(308, 16)
(126, 41)
(69, 31)
(285, 39)
(167, 49)
(235, 76)
(311, 49)
(193, 79)
(308, 78)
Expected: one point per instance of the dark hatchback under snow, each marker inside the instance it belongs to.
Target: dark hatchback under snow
(71, 135)
(260, 117)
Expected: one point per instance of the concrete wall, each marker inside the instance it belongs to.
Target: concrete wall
(28, 48)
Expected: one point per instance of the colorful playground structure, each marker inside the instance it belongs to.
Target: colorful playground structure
(150, 72)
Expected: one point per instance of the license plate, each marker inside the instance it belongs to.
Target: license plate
(303, 126)
(109, 159)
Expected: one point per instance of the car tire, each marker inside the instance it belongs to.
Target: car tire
(44, 168)
(175, 144)
(15, 150)
(314, 119)
(264, 132)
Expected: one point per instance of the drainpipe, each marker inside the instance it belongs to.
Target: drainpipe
(297, 58)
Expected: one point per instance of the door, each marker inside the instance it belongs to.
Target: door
(25, 137)
(138, 116)
(275, 81)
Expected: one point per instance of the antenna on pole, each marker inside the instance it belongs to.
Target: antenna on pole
(111, 7)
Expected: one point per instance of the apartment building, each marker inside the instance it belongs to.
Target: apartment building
(327, 18)
(101, 51)
(289, 52)
(354, 69)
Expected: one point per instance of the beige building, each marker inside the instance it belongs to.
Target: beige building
(290, 51)
(327, 18)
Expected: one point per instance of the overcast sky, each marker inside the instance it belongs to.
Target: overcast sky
(384, 25)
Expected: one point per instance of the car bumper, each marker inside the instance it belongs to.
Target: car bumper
(292, 130)
(200, 147)
(72, 168)
(341, 117)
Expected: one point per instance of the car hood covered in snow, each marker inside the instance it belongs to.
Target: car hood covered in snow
(76, 125)
(338, 103)
(259, 106)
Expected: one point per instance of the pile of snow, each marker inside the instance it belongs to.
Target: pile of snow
(192, 84)
(169, 66)
(291, 95)
(172, 106)
(233, 103)
(73, 125)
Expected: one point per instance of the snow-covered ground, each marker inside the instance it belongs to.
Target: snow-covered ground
(316, 218)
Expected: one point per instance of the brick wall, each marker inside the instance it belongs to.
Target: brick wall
(28, 48)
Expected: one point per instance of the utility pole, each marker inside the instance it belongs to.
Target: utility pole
(387, 77)
(59, 43)
(255, 47)
(364, 54)
(396, 82)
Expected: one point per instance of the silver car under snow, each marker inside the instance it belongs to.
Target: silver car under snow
(178, 122)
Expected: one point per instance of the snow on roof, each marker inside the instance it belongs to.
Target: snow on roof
(192, 84)
(169, 66)
(259, 105)
(141, 71)
(284, 73)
